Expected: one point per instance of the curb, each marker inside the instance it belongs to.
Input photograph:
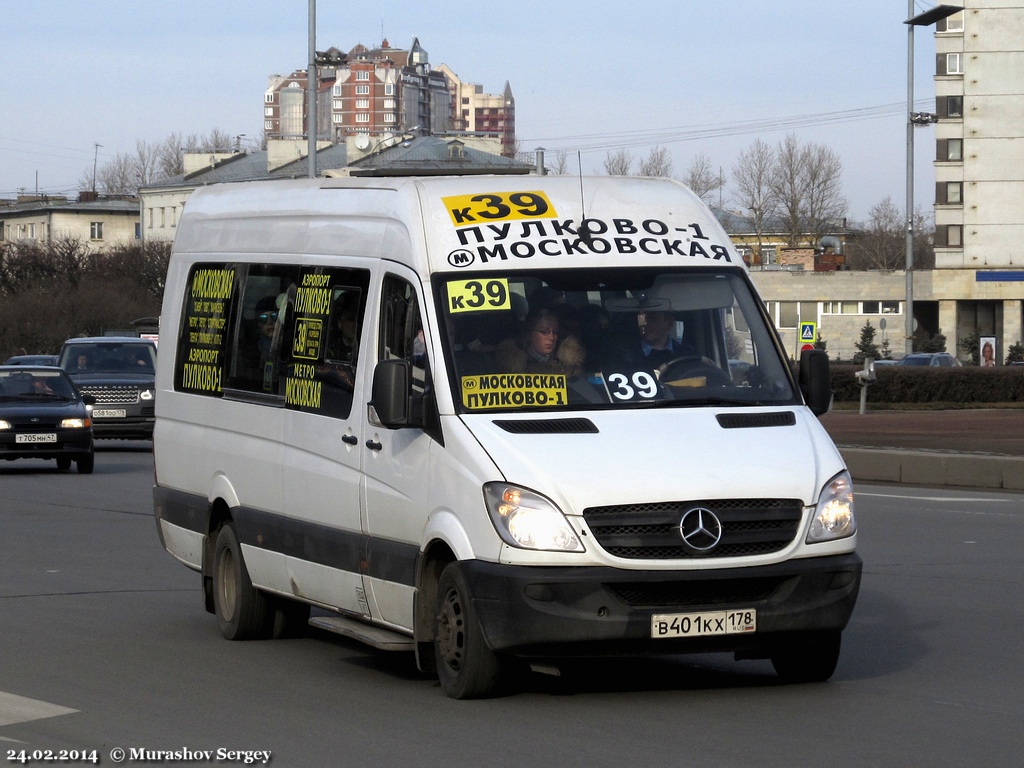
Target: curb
(973, 470)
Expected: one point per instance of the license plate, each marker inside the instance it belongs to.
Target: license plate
(109, 413)
(39, 437)
(703, 623)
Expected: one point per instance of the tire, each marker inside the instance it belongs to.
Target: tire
(808, 658)
(466, 667)
(243, 612)
(85, 463)
(291, 618)
(64, 463)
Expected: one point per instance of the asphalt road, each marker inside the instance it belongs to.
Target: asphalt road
(105, 645)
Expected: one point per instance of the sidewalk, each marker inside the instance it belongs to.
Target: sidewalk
(970, 448)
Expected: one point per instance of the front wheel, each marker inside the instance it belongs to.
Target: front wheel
(86, 463)
(808, 658)
(466, 667)
(243, 612)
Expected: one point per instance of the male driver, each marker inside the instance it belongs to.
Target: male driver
(656, 341)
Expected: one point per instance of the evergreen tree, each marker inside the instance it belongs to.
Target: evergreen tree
(866, 347)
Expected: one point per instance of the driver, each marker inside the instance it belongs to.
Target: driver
(656, 341)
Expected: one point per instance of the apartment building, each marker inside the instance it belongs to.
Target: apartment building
(488, 114)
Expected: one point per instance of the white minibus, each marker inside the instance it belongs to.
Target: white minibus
(495, 421)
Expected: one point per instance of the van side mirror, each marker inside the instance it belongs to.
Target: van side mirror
(390, 393)
(816, 380)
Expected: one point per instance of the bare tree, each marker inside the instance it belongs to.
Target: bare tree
(701, 178)
(883, 244)
(824, 204)
(560, 166)
(657, 163)
(752, 175)
(787, 185)
(619, 163)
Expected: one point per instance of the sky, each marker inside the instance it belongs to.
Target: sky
(590, 78)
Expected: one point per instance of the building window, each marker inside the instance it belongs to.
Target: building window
(389, 89)
(880, 307)
(336, 91)
(954, 23)
(362, 103)
(337, 118)
(363, 74)
(954, 192)
(268, 111)
(954, 236)
(768, 254)
(363, 117)
(268, 125)
(389, 117)
(362, 90)
(954, 106)
(96, 230)
(268, 98)
(389, 103)
(954, 64)
(337, 104)
(954, 149)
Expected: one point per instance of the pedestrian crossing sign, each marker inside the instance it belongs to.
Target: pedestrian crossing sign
(808, 332)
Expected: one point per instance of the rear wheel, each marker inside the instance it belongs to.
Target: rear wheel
(243, 612)
(808, 658)
(466, 667)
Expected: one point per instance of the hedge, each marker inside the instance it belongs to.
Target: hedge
(954, 387)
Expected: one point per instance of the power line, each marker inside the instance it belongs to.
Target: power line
(647, 137)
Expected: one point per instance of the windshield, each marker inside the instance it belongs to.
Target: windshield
(108, 357)
(35, 384)
(608, 338)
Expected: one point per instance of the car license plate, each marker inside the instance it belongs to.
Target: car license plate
(109, 413)
(703, 623)
(38, 437)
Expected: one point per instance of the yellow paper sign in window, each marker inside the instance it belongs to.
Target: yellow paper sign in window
(513, 390)
(478, 295)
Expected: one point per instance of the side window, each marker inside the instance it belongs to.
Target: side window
(262, 324)
(204, 336)
(325, 341)
(285, 331)
(401, 331)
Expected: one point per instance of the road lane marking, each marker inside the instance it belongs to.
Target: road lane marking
(19, 709)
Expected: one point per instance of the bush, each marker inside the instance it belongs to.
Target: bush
(51, 293)
(951, 387)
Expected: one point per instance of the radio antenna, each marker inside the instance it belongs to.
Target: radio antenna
(583, 229)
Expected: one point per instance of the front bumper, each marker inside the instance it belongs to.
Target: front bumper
(551, 612)
(71, 444)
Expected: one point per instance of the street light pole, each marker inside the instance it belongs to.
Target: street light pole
(311, 94)
(921, 20)
(909, 307)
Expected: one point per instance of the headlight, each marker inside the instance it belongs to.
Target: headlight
(833, 517)
(527, 520)
(146, 394)
(75, 423)
(5, 424)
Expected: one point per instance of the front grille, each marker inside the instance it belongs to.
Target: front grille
(111, 395)
(651, 531)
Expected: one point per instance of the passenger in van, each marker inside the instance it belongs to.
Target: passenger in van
(540, 348)
(266, 325)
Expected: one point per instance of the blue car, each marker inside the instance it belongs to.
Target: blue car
(44, 416)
